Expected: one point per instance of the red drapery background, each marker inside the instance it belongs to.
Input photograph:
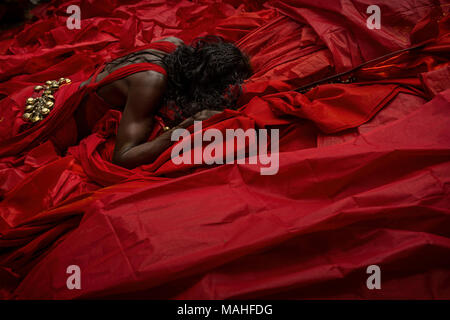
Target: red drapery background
(364, 167)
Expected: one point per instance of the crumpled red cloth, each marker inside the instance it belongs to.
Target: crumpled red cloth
(364, 167)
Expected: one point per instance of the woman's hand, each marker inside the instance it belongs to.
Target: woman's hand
(199, 116)
(205, 114)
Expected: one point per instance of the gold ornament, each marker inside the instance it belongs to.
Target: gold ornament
(38, 108)
(36, 119)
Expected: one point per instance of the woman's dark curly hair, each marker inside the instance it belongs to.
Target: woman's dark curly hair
(207, 74)
(204, 75)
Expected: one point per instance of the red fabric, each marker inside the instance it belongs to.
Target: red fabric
(364, 167)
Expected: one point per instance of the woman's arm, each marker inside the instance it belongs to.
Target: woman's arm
(132, 149)
(145, 89)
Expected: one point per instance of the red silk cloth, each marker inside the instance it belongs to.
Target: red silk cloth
(364, 167)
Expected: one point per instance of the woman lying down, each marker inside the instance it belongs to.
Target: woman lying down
(165, 83)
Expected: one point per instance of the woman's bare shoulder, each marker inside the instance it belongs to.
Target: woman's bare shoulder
(146, 79)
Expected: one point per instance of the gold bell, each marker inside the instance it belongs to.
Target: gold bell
(166, 128)
(35, 119)
(37, 108)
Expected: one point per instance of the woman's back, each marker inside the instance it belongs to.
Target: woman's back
(115, 92)
(111, 83)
